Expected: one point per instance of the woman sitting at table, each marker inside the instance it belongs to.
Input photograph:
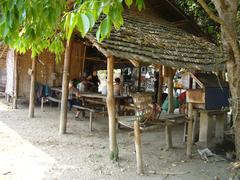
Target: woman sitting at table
(93, 81)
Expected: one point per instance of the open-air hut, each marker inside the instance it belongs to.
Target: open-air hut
(147, 38)
(154, 36)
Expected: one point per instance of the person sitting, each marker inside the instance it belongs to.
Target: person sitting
(82, 86)
(72, 91)
(93, 81)
(117, 87)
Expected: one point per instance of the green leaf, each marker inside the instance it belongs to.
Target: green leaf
(104, 29)
(128, 3)
(106, 8)
(83, 24)
(140, 4)
(91, 19)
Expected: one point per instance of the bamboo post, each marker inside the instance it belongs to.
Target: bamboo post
(170, 94)
(139, 77)
(168, 134)
(32, 89)
(160, 83)
(83, 60)
(64, 99)
(190, 130)
(15, 90)
(90, 120)
(138, 147)
(111, 110)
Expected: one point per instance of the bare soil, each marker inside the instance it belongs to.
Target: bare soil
(33, 149)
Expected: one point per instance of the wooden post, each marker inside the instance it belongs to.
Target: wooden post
(160, 83)
(15, 90)
(168, 134)
(64, 99)
(170, 94)
(111, 110)
(90, 121)
(32, 89)
(138, 147)
(83, 60)
(190, 130)
(139, 77)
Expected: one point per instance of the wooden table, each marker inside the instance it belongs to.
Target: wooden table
(91, 95)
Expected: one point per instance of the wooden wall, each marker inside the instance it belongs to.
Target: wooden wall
(3, 52)
(45, 71)
(77, 59)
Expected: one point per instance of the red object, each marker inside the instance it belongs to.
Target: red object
(182, 98)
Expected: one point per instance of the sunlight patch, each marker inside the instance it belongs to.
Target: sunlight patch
(19, 159)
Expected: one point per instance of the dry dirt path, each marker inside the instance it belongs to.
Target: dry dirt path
(32, 149)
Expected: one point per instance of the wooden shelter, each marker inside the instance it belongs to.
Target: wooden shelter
(146, 37)
(48, 70)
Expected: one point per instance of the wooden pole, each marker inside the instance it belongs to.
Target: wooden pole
(160, 83)
(64, 99)
(139, 77)
(111, 110)
(32, 88)
(190, 129)
(83, 60)
(168, 134)
(15, 91)
(138, 147)
(170, 94)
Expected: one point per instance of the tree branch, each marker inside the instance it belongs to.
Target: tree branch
(210, 13)
(232, 41)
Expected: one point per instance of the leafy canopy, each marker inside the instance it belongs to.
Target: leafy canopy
(37, 25)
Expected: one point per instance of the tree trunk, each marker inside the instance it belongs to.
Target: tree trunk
(65, 80)
(111, 111)
(32, 89)
(170, 94)
(227, 11)
(15, 93)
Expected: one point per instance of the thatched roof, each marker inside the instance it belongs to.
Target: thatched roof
(159, 43)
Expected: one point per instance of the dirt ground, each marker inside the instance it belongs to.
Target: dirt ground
(32, 149)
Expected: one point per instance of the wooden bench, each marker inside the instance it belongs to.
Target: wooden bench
(49, 98)
(91, 111)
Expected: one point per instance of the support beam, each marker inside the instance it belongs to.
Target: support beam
(65, 80)
(170, 94)
(160, 83)
(32, 88)
(138, 147)
(15, 90)
(111, 110)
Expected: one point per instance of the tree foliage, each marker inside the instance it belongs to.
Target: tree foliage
(38, 25)
(193, 9)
